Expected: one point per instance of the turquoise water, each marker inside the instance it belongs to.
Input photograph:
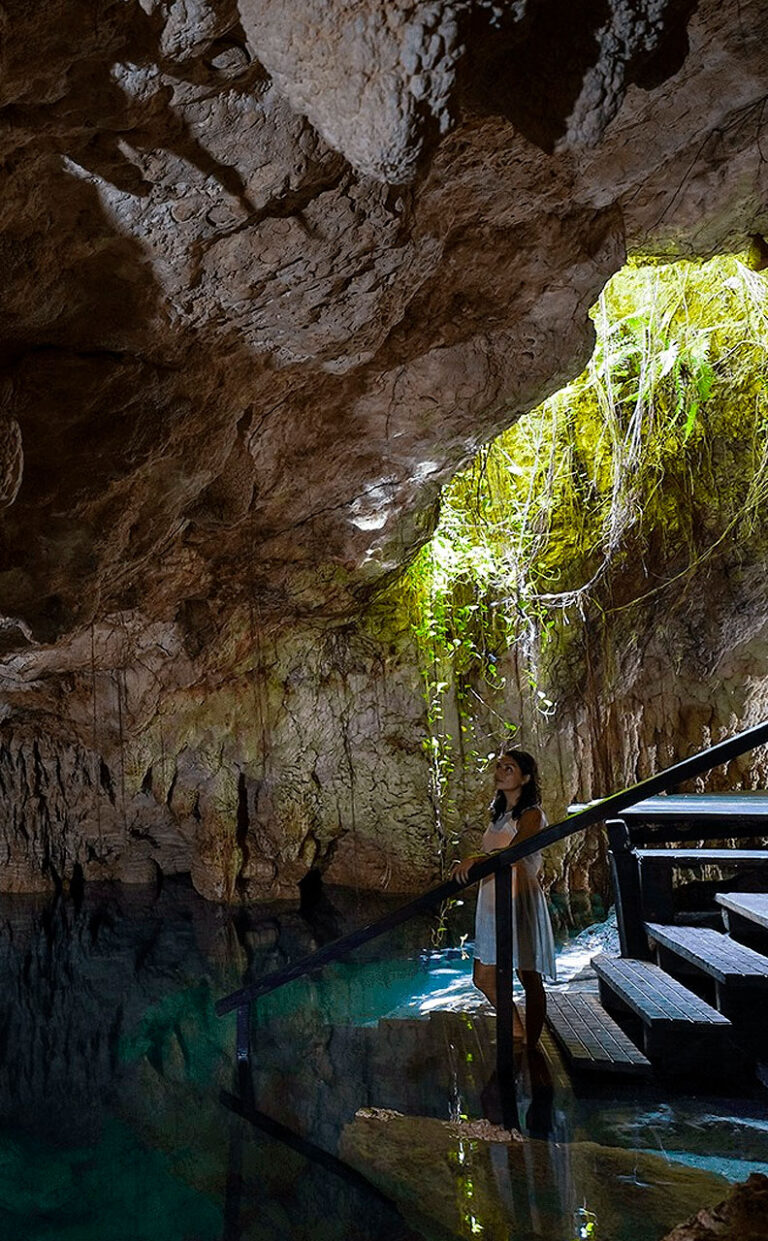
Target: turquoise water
(116, 1117)
(116, 1188)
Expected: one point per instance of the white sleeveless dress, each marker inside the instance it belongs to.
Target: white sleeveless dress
(532, 940)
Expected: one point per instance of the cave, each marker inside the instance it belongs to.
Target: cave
(275, 277)
(270, 281)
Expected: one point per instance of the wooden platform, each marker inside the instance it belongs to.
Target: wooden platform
(751, 804)
(704, 857)
(742, 813)
(712, 952)
(751, 906)
(589, 1038)
(695, 817)
(680, 1033)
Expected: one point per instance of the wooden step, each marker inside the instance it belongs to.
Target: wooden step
(712, 952)
(749, 906)
(589, 1037)
(657, 866)
(654, 996)
(680, 1033)
(705, 857)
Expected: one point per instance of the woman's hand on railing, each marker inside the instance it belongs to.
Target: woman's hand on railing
(460, 870)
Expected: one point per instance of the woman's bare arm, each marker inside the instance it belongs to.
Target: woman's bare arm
(461, 869)
(531, 822)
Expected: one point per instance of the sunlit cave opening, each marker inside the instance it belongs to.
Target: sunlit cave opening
(595, 588)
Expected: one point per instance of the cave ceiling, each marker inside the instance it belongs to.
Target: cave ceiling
(272, 273)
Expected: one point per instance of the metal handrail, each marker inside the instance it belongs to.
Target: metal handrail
(597, 812)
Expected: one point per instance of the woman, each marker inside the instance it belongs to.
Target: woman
(516, 815)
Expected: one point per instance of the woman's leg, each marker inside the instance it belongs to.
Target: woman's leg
(535, 1005)
(484, 978)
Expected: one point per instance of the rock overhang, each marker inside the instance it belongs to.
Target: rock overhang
(266, 262)
(272, 274)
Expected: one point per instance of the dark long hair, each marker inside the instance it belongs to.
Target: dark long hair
(530, 794)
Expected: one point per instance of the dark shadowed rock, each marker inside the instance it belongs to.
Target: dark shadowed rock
(741, 1217)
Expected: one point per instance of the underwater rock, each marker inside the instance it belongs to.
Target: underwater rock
(544, 1186)
(740, 1217)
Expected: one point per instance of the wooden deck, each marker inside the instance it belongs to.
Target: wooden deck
(751, 906)
(712, 952)
(589, 1038)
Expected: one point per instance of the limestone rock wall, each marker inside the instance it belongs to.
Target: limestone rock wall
(268, 282)
(306, 754)
(311, 752)
(614, 700)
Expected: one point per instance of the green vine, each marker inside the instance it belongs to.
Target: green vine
(623, 485)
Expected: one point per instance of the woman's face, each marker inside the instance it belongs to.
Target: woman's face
(509, 775)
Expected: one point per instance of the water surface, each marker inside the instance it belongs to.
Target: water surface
(120, 1097)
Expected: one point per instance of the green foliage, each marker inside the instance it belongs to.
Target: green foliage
(624, 483)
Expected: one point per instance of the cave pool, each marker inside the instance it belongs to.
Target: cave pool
(378, 1115)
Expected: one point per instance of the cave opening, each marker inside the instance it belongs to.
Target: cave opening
(594, 589)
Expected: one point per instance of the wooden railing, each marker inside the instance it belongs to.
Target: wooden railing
(609, 808)
(642, 875)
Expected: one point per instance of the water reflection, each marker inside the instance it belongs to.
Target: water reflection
(110, 1112)
(371, 1108)
(532, 1175)
(349, 1195)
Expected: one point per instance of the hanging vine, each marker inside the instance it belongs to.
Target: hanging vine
(624, 484)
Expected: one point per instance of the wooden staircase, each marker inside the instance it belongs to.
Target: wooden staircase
(582, 1023)
(698, 1010)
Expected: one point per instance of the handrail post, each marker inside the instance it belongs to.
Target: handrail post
(504, 974)
(625, 870)
(243, 1046)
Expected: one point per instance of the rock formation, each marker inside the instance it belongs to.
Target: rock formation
(741, 1215)
(271, 275)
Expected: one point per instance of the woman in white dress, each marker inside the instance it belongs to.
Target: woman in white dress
(516, 815)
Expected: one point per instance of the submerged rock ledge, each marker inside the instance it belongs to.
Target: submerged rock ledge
(741, 1217)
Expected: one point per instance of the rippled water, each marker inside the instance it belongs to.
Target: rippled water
(120, 1096)
(446, 984)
